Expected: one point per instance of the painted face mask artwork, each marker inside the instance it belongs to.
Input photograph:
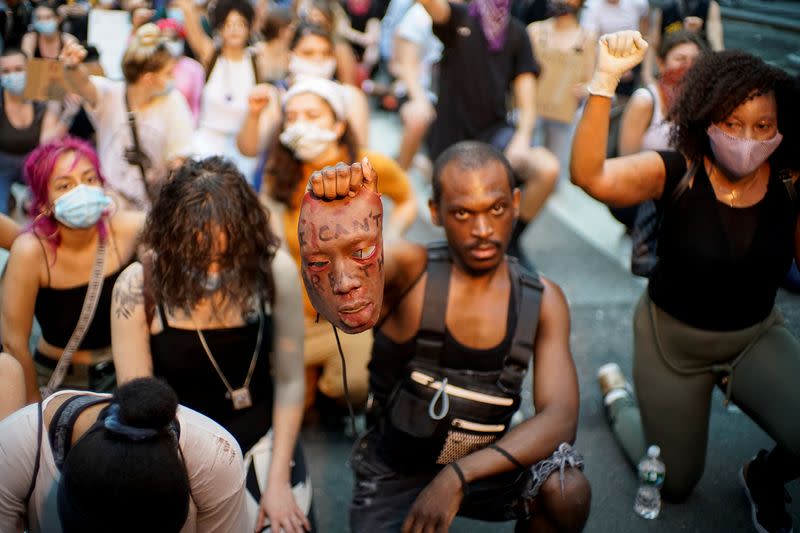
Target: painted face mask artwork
(341, 249)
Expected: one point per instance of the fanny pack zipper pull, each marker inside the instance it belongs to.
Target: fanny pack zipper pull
(441, 393)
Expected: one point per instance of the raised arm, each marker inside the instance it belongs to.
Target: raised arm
(199, 41)
(622, 181)
(130, 332)
(78, 81)
(714, 27)
(263, 119)
(439, 10)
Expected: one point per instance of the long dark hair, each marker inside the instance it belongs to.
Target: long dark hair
(283, 170)
(720, 82)
(203, 198)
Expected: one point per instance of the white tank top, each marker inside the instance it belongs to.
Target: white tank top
(656, 136)
(224, 103)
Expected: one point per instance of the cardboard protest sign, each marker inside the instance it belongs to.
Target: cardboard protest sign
(44, 80)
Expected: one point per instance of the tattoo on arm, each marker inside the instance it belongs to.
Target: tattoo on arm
(128, 293)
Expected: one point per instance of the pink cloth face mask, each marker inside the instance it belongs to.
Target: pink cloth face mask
(740, 157)
(341, 250)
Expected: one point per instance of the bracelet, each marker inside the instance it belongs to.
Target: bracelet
(460, 474)
(507, 455)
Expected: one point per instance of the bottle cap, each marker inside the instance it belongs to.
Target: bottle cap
(653, 451)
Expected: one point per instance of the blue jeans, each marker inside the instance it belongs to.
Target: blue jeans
(382, 496)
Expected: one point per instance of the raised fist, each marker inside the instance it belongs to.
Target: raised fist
(258, 98)
(72, 54)
(343, 180)
(619, 52)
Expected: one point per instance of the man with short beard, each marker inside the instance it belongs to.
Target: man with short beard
(456, 329)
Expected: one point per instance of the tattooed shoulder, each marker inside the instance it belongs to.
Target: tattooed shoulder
(128, 291)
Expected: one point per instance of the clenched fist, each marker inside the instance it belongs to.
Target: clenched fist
(617, 54)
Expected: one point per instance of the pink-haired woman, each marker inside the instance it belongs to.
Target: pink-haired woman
(68, 259)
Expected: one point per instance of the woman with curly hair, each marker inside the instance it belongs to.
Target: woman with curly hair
(51, 266)
(729, 231)
(215, 309)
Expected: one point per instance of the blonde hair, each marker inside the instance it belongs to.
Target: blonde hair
(145, 53)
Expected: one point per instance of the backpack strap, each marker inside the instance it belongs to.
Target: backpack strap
(430, 336)
(60, 433)
(529, 289)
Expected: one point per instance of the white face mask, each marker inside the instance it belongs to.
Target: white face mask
(306, 140)
(304, 67)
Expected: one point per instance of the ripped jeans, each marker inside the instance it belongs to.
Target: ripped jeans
(382, 497)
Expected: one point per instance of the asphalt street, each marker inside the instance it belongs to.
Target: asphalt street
(575, 243)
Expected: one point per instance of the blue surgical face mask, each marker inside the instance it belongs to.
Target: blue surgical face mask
(81, 207)
(45, 27)
(13, 82)
(175, 14)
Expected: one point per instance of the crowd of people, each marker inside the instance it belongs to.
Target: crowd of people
(198, 257)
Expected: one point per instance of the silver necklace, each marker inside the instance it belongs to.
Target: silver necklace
(240, 397)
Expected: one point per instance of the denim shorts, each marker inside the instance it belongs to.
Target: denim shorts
(382, 496)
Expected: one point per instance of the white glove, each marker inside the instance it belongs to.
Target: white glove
(617, 54)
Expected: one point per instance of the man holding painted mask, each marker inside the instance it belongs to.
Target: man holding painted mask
(445, 380)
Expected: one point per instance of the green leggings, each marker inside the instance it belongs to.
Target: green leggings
(674, 379)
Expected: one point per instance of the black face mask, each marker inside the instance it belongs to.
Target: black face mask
(558, 8)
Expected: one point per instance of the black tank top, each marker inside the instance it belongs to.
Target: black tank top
(389, 358)
(38, 53)
(179, 358)
(719, 268)
(20, 141)
(58, 310)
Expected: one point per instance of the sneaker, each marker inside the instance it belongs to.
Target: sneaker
(767, 499)
(611, 378)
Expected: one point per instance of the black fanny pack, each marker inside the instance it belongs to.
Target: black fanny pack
(436, 415)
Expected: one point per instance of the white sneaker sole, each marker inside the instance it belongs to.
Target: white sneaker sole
(753, 513)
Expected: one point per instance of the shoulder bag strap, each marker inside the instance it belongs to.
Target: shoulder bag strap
(137, 146)
(84, 321)
(528, 289)
(430, 336)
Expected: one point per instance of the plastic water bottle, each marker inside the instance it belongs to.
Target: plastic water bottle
(651, 477)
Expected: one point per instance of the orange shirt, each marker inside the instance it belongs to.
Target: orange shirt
(392, 182)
